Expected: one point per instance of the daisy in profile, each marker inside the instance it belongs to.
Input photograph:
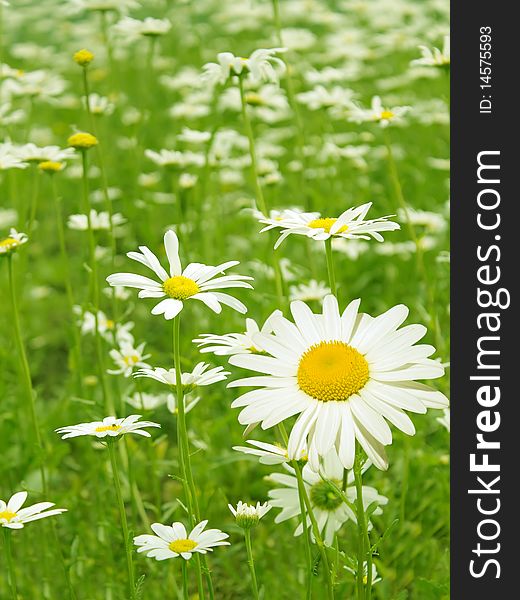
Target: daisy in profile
(109, 426)
(351, 224)
(149, 27)
(173, 541)
(12, 242)
(270, 454)
(13, 516)
(377, 113)
(262, 66)
(195, 282)
(127, 358)
(201, 375)
(314, 290)
(248, 515)
(344, 374)
(433, 57)
(234, 343)
(329, 509)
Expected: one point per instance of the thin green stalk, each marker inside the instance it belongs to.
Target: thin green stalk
(260, 200)
(251, 563)
(26, 372)
(184, 450)
(34, 197)
(122, 513)
(185, 590)
(78, 364)
(330, 266)
(361, 526)
(86, 89)
(11, 575)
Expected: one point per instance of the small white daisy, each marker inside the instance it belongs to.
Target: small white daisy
(196, 281)
(13, 516)
(375, 577)
(262, 66)
(270, 454)
(314, 290)
(201, 375)
(434, 57)
(12, 242)
(127, 358)
(378, 113)
(170, 542)
(248, 515)
(109, 426)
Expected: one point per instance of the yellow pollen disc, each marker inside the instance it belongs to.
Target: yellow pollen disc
(110, 324)
(332, 371)
(9, 243)
(180, 287)
(108, 428)
(130, 360)
(326, 223)
(182, 546)
(7, 515)
(387, 114)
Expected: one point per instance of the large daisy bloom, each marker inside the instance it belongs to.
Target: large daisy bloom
(345, 375)
(13, 516)
(196, 281)
(351, 224)
(170, 542)
(328, 508)
(234, 343)
(109, 426)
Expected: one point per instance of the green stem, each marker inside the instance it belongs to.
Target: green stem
(26, 373)
(251, 563)
(361, 526)
(11, 575)
(122, 513)
(185, 590)
(34, 198)
(330, 266)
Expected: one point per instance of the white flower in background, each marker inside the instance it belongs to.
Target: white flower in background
(10, 116)
(109, 426)
(351, 248)
(314, 290)
(187, 181)
(262, 66)
(107, 328)
(321, 97)
(12, 242)
(345, 375)
(196, 281)
(432, 221)
(375, 578)
(13, 516)
(433, 57)
(234, 343)
(351, 224)
(99, 105)
(170, 542)
(122, 6)
(33, 153)
(128, 358)
(36, 84)
(8, 217)
(378, 113)
(9, 158)
(148, 27)
(329, 509)
(201, 375)
(445, 419)
(118, 292)
(144, 401)
(98, 221)
(193, 136)
(249, 515)
(175, 158)
(270, 454)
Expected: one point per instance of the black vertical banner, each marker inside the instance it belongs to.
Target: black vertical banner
(485, 250)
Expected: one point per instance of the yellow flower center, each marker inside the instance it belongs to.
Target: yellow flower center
(254, 99)
(9, 243)
(83, 57)
(51, 166)
(109, 324)
(326, 223)
(82, 140)
(108, 428)
(7, 515)
(386, 115)
(332, 371)
(131, 360)
(182, 546)
(180, 287)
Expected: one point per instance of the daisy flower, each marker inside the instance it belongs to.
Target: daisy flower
(248, 515)
(434, 57)
(148, 27)
(13, 516)
(375, 577)
(345, 375)
(109, 426)
(351, 224)
(378, 113)
(12, 242)
(143, 401)
(98, 221)
(314, 290)
(128, 358)
(235, 343)
(270, 454)
(170, 542)
(200, 376)
(329, 509)
(262, 66)
(196, 281)
(9, 158)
